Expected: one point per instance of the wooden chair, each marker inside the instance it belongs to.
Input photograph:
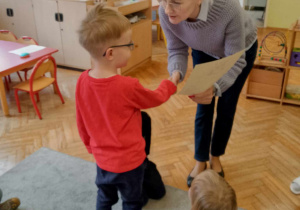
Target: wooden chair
(28, 41)
(39, 81)
(160, 32)
(6, 35)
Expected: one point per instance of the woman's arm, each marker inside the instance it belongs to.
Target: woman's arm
(177, 50)
(234, 42)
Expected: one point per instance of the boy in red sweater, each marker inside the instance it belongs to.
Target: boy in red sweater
(108, 109)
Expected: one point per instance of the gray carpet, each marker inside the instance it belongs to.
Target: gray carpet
(49, 180)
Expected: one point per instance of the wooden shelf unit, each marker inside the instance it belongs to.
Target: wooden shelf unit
(141, 32)
(132, 7)
(271, 85)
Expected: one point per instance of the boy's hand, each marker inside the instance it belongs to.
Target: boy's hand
(204, 97)
(175, 77)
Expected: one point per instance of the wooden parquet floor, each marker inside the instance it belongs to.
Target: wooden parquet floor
(261, 160)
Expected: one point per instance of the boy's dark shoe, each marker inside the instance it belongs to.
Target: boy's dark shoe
(153, 184)
(10, 204)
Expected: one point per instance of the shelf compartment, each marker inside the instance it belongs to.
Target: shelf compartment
(267, 77)
(264, 90)
(269, 63)
(130, 6)
(265, 83)
(291, 101)
(263, 98)
(294, 67)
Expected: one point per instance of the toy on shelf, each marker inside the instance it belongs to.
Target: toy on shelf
(292, 91)
(274, 44)
(295, 57)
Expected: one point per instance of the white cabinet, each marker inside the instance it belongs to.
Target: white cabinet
(57, 23)
(17, 16)
(6, 18)
(48, 30)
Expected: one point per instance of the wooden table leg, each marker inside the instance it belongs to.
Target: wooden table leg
(3, 98)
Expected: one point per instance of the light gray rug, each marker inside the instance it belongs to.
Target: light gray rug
(49, 180)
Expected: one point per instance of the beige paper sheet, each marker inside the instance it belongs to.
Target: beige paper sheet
(205, 75)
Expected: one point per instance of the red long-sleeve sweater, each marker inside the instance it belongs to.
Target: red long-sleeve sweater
(109, 118)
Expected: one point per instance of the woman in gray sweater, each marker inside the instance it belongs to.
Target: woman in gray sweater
(213, 29)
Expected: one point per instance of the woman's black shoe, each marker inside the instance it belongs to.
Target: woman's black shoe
(221, 173)
(190, 178)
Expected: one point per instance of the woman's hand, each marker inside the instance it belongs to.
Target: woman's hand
(204, 97)
(175, 77)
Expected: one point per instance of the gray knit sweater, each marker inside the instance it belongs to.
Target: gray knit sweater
(227, 30)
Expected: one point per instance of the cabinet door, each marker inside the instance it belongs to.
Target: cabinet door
(73, 14)
(24, 19)
(6, 22)
(142, 39)
(48, 29)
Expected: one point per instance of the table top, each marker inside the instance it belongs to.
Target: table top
(9, 61)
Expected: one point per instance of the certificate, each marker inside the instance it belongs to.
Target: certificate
(205, 75)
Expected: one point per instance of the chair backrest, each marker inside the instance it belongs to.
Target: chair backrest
(6, 35)
(27, 40)
(44, 65)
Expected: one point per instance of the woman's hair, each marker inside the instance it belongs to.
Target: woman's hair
(209, 191)
(101, 27)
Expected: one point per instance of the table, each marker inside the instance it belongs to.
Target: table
(10, 63)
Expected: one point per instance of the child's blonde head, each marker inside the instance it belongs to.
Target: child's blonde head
(209, 191)
(100, 28)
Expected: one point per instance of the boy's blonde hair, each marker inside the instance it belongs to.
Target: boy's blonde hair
(101, 27)
(209, 191)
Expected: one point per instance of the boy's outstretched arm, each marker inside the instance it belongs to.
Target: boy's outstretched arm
(143, 98)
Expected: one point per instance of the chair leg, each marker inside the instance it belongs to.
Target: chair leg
(37, 97)
(19, 76)
(6, 83)
(9, 79)
(17, 100)
(165, 40)
(35, 106)
(58, 92)
(25, 75)
(158, 32)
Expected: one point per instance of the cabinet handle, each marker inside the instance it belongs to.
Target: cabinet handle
(61, 17)
(56, 17)
(9, 12)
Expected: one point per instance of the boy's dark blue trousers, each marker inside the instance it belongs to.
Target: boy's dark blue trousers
(135, 186)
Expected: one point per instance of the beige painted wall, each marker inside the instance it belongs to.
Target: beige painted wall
(282, 13)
